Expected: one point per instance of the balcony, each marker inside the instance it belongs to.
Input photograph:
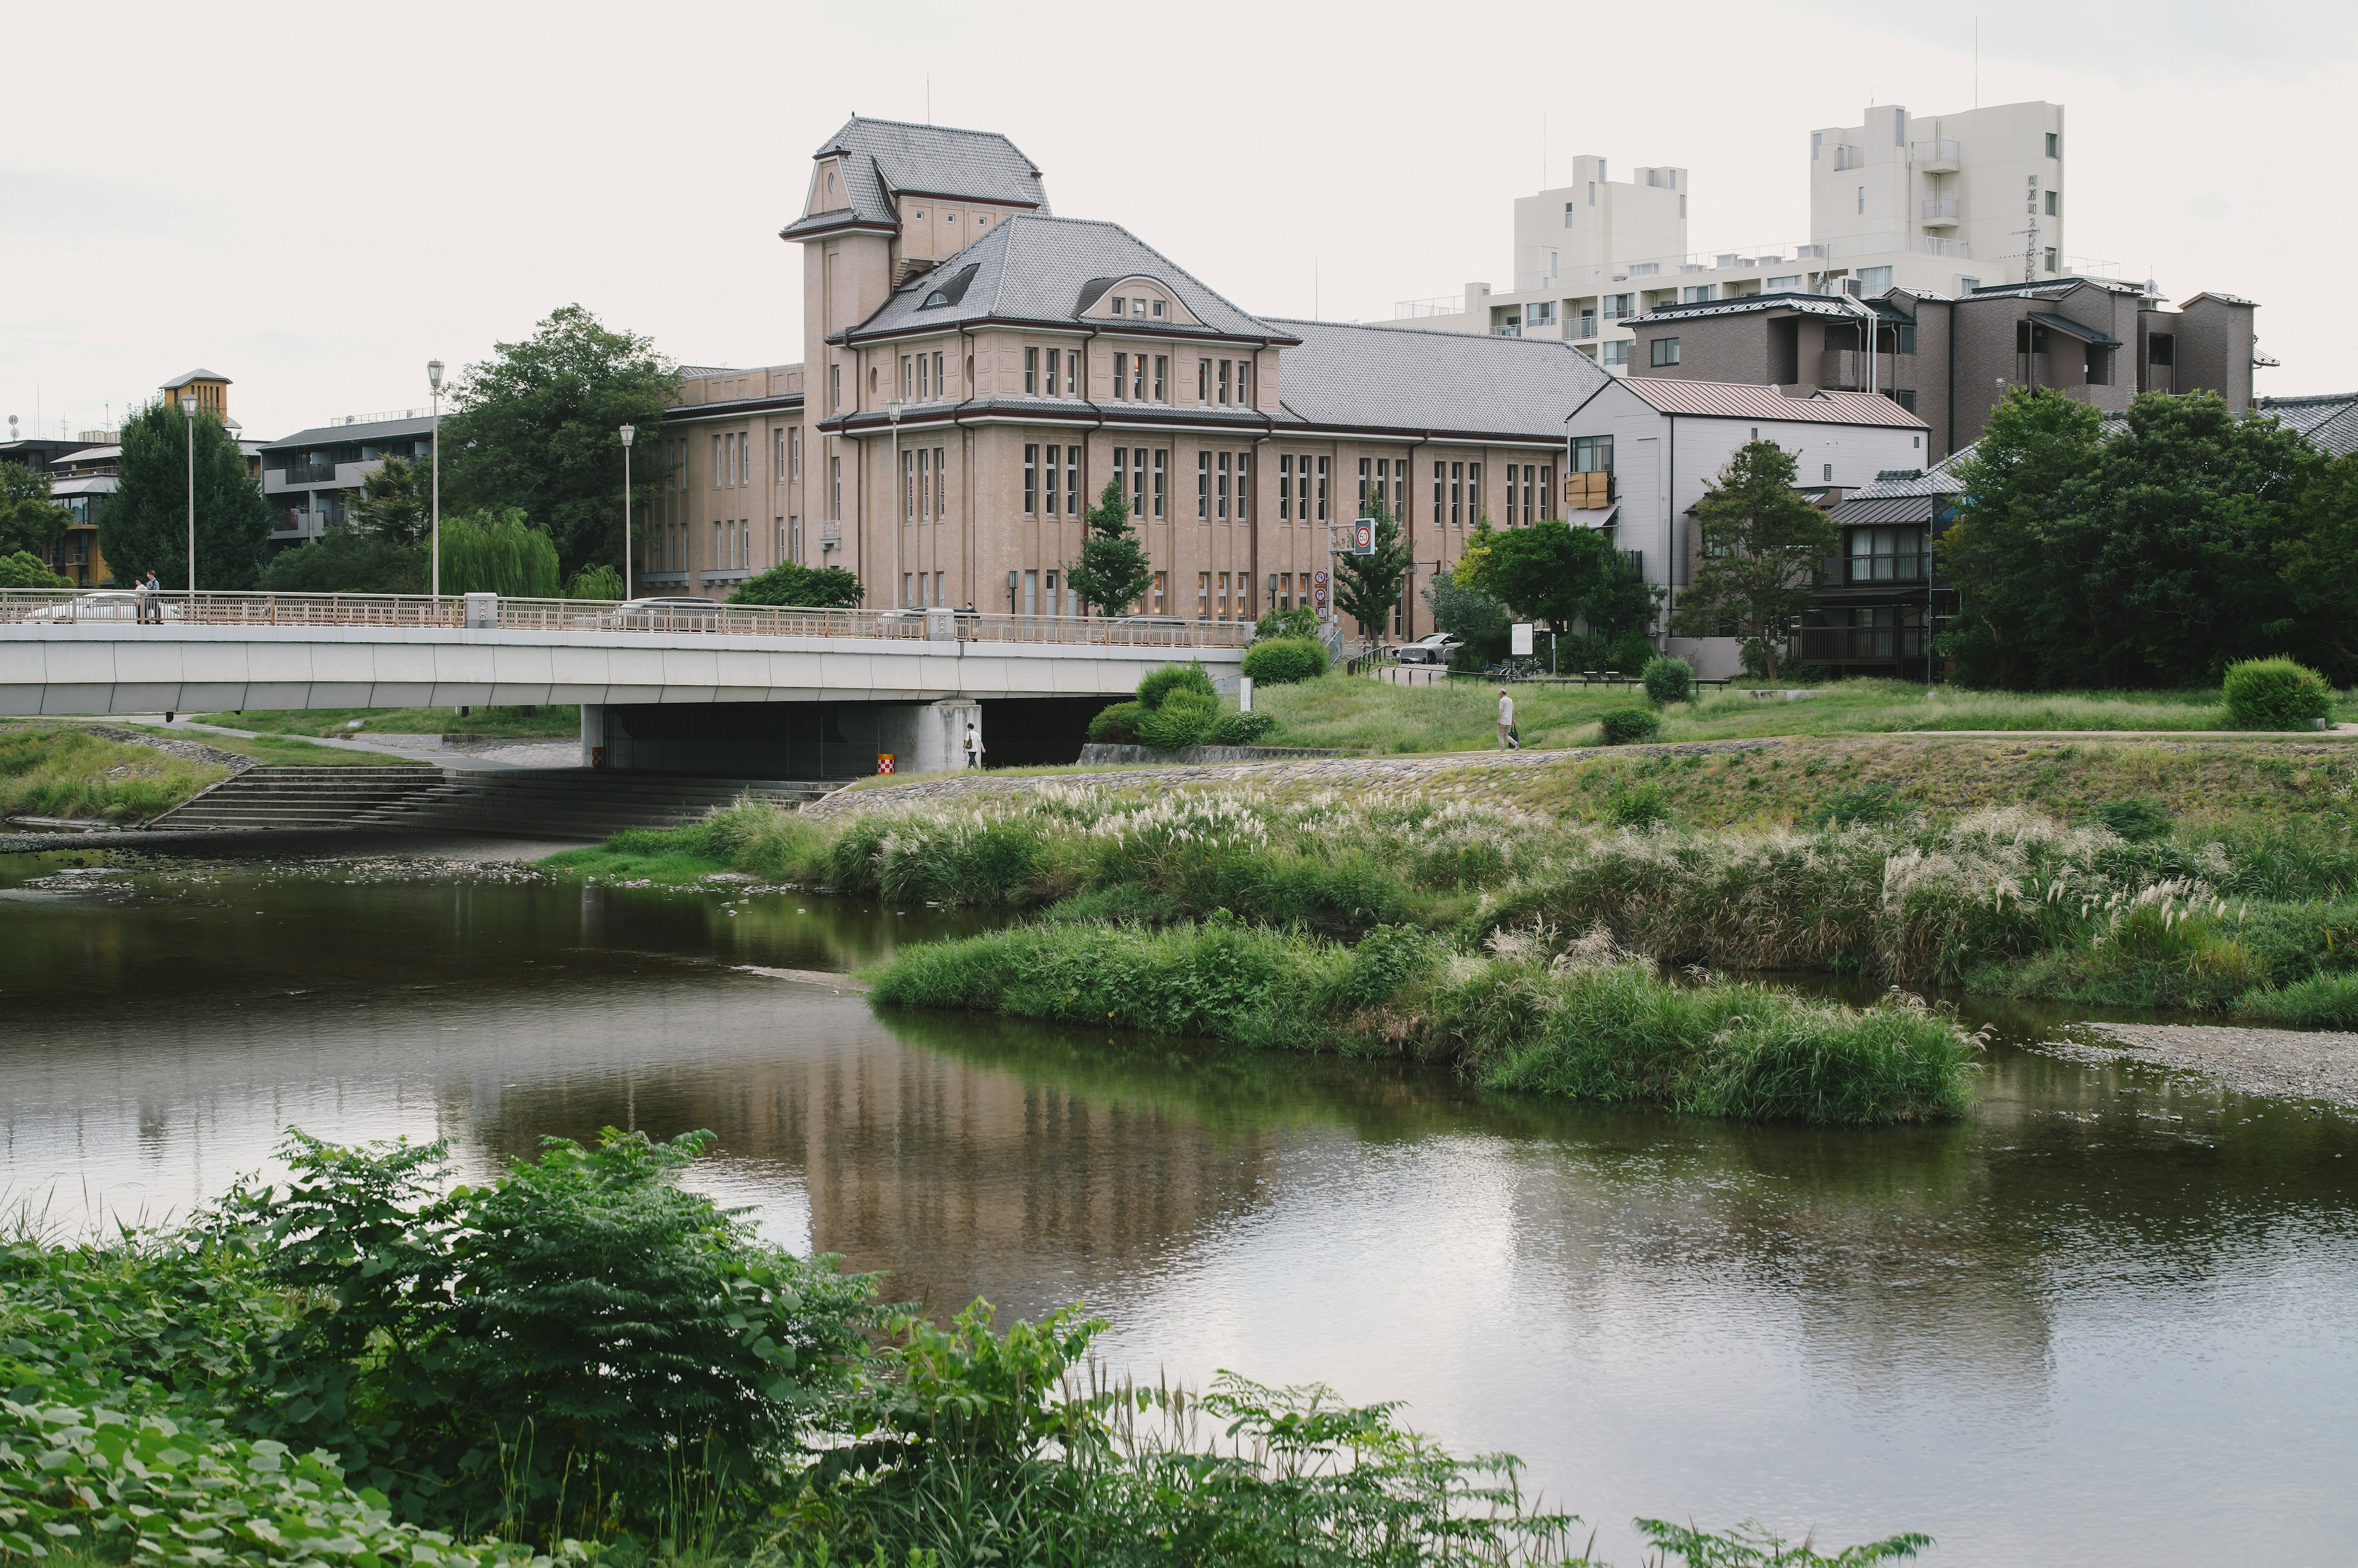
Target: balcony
(1940, 212)
(1581, 329)
(310, 473)
(1861, 644)
(1847, 156)
(1938, 156)
(1860, 571)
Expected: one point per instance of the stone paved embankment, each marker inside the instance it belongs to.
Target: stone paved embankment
(1313, 772)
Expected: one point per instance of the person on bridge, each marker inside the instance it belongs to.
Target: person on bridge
(151, 600)
(973, 746)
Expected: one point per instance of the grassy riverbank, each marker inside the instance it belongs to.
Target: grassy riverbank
(544, 723)
(1583, 1021)
(581, 1362)
(60, 770)
(1461, 715)
(2010, 901)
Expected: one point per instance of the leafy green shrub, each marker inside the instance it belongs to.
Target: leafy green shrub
(545, 1348)
(1241, 729)
(1668, 680)
(498, 552)
(2276, 694)
(22, 569)
(2138, 821)
(1170, 679)
(1624, 726)
(348, 561)
(1280, 661)
(1117, 725)
(1868, 803)
(1183, 717)
(599, 583)
(1638, 805)
(1299, 622)
(791, 583)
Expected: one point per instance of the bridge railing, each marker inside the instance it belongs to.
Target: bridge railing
(70, 607)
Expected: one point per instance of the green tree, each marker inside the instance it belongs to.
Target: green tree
(1368, 588)
(2022, 481)
(535, 430)
(793, 583)
(2320, 544)
(143, 525)
(29, 520)
(1764, 546)
(347, 561)
(1473, 618)
(1112, 573)
(498, 552)
(397, 502)
(25, 569)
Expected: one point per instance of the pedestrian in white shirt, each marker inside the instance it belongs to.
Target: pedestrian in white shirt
(1506, 741)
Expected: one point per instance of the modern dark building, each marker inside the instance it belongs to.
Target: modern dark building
(1950, 359)
(1881, 598)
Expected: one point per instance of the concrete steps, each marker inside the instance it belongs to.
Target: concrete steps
(529, 803)
(301, 797)
(576, 803)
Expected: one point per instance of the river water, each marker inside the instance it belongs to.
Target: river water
(2112, 1318)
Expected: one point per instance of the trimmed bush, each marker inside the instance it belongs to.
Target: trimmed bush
(1624, 726)
(1157, 688)
(2276, 694)
(1282, 661)
(1241, 729)
(1184, 718)
(1668, 680)
(1117, 725)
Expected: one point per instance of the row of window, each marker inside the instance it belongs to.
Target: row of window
(925, 484)
(1212, 381)
(1212, 475)
(667, 547)
(922, 378)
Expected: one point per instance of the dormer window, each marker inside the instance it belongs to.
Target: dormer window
(1158, 309)
(1116, 304)
(1137, 309)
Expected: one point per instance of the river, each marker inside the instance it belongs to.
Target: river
(2112, 1318)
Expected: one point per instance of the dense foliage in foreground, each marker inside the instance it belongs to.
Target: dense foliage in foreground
(582, 1361)
(1581, 1020)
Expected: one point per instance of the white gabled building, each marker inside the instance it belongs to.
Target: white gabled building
(1643, 451)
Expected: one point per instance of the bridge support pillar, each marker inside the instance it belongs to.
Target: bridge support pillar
(926, 738)
(593, 734)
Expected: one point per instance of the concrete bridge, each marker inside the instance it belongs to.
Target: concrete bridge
(688, 688)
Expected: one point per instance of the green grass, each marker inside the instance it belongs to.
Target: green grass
(2330, 1000)
(286, 750)
(59, 770)
(676, 855)
(1605, 1028)
(544, 723)
(1461, 715)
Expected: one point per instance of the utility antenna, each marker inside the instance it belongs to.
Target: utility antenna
(929, 98)
(1543, 184)
(1314, 288)
(1977, 59)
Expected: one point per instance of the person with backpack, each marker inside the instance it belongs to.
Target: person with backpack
(973, 746)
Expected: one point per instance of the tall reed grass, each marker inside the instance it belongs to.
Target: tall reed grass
(1583, 1021)
(58, 769)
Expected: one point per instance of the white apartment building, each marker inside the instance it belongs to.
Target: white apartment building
(1937, 204)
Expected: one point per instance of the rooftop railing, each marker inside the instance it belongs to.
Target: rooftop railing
(397, 612)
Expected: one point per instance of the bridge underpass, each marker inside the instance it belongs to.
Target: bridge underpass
(718, 690)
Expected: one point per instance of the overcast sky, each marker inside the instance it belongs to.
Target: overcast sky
(316, 199)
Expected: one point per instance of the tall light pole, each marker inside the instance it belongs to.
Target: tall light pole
(188, 407)
(434, 380)
(629, 435)
(900, 493)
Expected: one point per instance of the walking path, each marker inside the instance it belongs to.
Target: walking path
(2338, 730)
(492, 752)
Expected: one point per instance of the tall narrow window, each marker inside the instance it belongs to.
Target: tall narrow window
(1202, 487)
(719, 474)
(1030, 478)
(835, 388)
(1322, 513)
(1547, 490)
(1511, 496)
(1162, 462)
(1224, 486)
(1048, 471)
(1138, 375)
(794, 451)
(925, 485)
(941, 387)
(1456, 494)
(1071, 372)
(1366, 477)
(908, 484)
(1473, 493)
(1440, 483)
(835, 488)
(1031, 371)
(907, 385)
(1285, 487)
(1244, 494)
(1161, 373)
(1072, 482)
(1203, 381)
(1244, 383)
(1203, 596)
(1224, 381)
(1122, 375)
(1138, 481)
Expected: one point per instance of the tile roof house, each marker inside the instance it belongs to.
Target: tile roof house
(976, 372)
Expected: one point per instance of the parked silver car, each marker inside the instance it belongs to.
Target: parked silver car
(1434, 649)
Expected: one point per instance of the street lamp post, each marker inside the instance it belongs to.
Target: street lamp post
(629, 435)
(434, 380)
(188, 407)
(901, 494)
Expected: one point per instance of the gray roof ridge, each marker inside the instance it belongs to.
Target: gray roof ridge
(1419, 332)
(836, 133)
(1158, 253)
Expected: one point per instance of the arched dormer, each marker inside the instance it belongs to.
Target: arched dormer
(827, 192)
(1138, 299)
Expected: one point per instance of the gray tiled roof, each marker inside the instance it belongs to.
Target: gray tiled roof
(1034, 268)
(2329, 421)
(2070, 329)
(1855, 509)
(1932, 483)
(330, 435)
(1804, 303)
(881, 156)
(1401, 378)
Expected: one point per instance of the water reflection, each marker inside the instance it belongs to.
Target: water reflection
(2110, 1319)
